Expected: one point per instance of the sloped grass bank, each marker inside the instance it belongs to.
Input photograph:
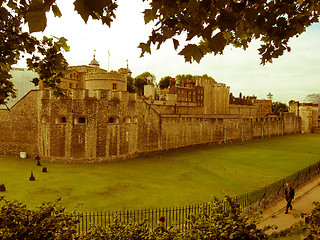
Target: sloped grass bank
(172, 179)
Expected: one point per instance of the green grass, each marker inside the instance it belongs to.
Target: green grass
(172, 179)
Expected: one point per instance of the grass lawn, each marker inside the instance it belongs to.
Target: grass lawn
(171, 179)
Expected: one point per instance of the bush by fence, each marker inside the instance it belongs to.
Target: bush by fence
(179, 216)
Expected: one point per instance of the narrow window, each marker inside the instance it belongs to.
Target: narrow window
(80, 120)
(114, 86)
(127, 120)
(44, 119)
(135, 120)
(60, 120)
(114, 120)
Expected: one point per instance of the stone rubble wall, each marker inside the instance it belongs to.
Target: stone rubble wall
(110, 126)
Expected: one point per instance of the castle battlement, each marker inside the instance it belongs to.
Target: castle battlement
(99, 94)
(103, 76)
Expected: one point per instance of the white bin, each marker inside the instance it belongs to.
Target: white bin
(23, 155)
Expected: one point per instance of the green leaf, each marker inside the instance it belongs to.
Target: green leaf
(217, 43)
(35, 81)
(56, 11)
(191, 51)
(144, 48)
(149, 15)
(82, 9)
(63, 43)
(175, 43)
(37, 20)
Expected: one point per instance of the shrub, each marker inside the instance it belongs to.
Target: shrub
(224, 220)
(49, 221)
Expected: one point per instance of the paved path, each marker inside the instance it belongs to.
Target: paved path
(302, 203)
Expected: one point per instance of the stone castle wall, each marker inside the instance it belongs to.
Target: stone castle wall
(117, 125)
(19, 126)
(186, 130)
(108, 126)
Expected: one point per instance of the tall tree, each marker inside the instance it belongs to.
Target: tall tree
(279, 107)
(139, 83)
(184, 77)
(164, 82)
(149, 77)
(130, 86)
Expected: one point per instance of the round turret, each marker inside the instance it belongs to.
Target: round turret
(94, 62)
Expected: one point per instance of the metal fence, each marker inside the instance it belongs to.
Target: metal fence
(261, 198)
(178, 216)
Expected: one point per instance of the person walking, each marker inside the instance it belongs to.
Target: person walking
(289, 194)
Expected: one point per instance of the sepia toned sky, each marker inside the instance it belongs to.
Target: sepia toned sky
(292, 76)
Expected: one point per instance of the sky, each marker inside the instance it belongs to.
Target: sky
(290, 77)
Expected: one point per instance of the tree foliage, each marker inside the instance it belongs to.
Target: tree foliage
(216, 23)
(224, 220)
(149, 77)
(139, 83)
(130, 86)
(143, 79)
(314, 98)
(279, 107)
(164, 82)
(188, 77)
(46, 54)
(219, 23)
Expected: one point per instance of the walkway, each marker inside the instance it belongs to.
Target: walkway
(302, 203)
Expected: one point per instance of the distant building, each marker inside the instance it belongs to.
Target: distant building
(93, 77)
(308, 112)
(21, 78)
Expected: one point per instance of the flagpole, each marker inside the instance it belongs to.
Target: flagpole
(108, 59)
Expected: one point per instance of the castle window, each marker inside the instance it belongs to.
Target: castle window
(80, 121)
(114, 120)
(60, 120)
(114, 86)
(44, 119)
(127, 120)
(70, 85)
(135, 120)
